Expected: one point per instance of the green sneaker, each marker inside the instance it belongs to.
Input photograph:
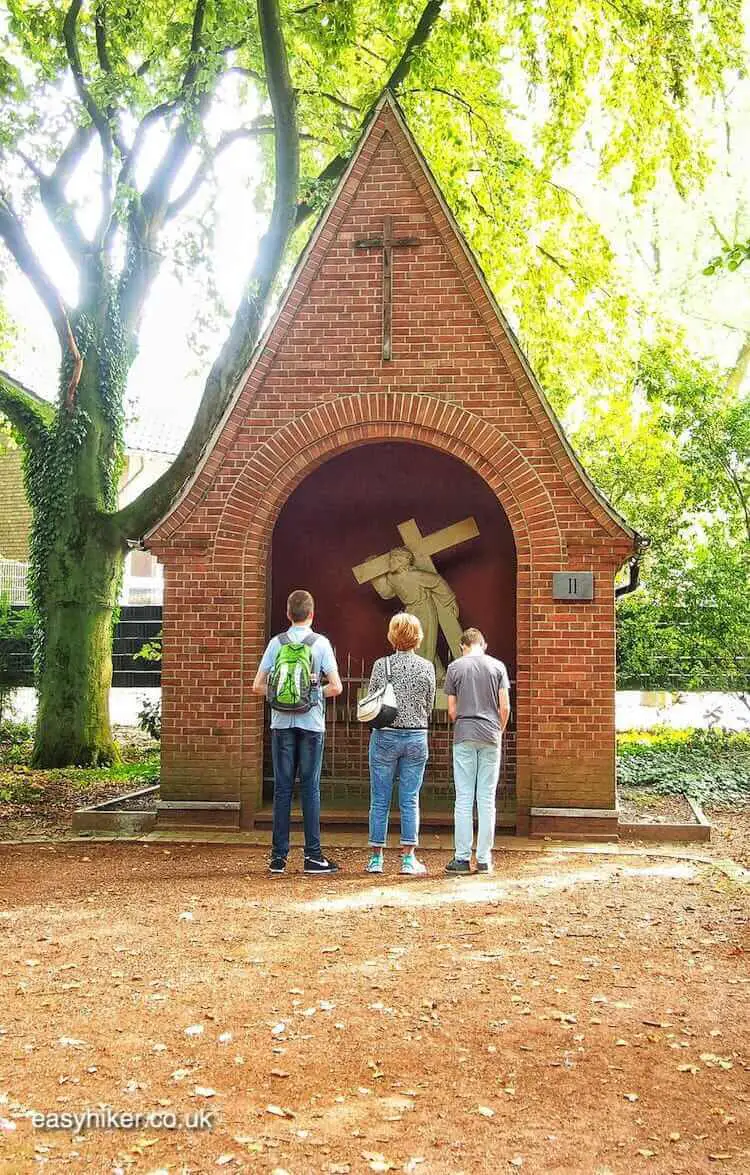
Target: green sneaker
(375, 864)
(410, 865)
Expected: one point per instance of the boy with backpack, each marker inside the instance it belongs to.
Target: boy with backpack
(289, 676)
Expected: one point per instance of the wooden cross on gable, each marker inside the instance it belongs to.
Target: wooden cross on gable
(387, 243)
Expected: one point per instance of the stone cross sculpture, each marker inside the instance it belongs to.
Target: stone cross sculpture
(409, 574)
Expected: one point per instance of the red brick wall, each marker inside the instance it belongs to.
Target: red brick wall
(320, 387)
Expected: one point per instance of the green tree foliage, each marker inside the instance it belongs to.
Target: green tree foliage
(731, 257)
(690, 626)
(116, 101)
(674, 457)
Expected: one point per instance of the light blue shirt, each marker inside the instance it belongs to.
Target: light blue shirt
(323, 662)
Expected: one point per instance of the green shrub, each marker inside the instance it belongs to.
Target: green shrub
(149, 717)
(710, 765)
(15, 741)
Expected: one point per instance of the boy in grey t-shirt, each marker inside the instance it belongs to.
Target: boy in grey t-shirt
(477, 688)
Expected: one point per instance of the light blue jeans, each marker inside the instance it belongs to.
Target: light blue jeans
(403, 753)
(476, 770)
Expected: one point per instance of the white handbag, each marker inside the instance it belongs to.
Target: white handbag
(379, 708)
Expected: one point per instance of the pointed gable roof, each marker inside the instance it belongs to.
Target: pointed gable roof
(388, 117)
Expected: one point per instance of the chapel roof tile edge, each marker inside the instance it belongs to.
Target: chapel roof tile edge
(388, 99)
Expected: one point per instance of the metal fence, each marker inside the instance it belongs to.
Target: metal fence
(134, 628)
(137, 590)
(14, 582)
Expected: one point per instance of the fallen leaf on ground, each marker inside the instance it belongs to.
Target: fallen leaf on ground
(279, 1111)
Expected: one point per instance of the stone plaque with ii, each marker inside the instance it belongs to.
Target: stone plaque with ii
(572, 585)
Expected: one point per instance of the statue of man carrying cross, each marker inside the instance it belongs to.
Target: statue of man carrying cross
(409, 574)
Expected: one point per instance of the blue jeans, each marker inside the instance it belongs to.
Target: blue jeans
(476, 769)
(296, 750)
(403, 753)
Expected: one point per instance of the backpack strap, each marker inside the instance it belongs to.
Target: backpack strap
(283, 639)
(311, 640)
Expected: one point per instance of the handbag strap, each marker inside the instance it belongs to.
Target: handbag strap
(388, 670)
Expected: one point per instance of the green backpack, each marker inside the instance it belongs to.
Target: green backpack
(291, 682)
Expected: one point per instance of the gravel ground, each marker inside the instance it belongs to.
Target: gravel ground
(568, 1014)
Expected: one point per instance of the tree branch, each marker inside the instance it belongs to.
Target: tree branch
(235, 355)
(14, 235)
(226, 141)
(421, 33)
(147, 214)
(740, 492)
(28, 413)
(97, 116)
(100, 28)
(334, 98)
(59, 211)
(736, 376)
(243, 72)
(72, 154)
(416, 40)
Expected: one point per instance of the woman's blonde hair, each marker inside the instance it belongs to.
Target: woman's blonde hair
(405, 632)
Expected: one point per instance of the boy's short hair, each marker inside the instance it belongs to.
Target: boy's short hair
(405, 632)
(472, 636)
(299, 605)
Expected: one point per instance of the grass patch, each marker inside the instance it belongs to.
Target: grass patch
(709, 765)
(20, 784)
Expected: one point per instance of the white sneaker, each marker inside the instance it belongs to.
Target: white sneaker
(412, 866)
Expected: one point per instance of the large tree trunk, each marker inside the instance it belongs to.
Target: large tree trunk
(76, 669)
(77, 555)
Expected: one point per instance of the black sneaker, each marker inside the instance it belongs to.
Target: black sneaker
(320, 865)
(485, 867)
(457, 866)
(277, 865)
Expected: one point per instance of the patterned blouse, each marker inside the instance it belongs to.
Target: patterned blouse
(413, 680)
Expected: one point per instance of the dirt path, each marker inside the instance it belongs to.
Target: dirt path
(566, 1014)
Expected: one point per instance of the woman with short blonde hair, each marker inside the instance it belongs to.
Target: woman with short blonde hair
(405, 632)
(400, 749)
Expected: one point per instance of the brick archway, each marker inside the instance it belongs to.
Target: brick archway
(269, 476)
(267, 479)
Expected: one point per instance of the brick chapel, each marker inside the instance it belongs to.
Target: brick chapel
(389, 405)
